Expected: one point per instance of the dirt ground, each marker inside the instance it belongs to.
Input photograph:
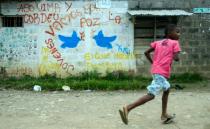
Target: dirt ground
(99, 110)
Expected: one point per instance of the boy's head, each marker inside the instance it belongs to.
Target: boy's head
(172, 32)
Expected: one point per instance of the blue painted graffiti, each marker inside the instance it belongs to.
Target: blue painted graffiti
(70, 42)
(103, 41)
(201, 10)
(123, 49)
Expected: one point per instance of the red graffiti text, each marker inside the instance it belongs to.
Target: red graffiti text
(57, 55)
(89, 22)
(41, 18)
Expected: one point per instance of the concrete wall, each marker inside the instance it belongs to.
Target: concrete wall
(195, 41)
(67, 37)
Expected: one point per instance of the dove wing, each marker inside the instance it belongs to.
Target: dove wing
(111, 38)
(63, 38)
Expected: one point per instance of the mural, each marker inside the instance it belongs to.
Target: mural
(73, 36)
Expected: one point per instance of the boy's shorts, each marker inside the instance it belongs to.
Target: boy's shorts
(159, 82)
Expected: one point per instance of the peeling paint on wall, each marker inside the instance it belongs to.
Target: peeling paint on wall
(68, 37)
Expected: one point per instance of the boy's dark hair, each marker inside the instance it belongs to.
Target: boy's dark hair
(169, 28)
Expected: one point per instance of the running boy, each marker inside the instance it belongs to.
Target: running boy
(165, 51)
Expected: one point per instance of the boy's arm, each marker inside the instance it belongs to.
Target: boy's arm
(147, 54)
(176, 56)
(176, 50)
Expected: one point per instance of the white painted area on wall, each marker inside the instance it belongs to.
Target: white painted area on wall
(66, 38)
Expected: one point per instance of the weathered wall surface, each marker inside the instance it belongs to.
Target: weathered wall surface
(195, 41)
(67, 37)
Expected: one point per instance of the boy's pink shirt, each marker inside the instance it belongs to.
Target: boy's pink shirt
(163, 56)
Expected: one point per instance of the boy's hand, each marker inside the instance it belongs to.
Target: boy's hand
(176, 56)
(147, 54)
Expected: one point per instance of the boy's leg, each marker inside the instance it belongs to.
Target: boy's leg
(165, 103)
(165, 117)
(140, 101)
(152, 91)
(128, 108)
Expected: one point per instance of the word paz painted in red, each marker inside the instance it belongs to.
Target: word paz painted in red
(89, 22)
